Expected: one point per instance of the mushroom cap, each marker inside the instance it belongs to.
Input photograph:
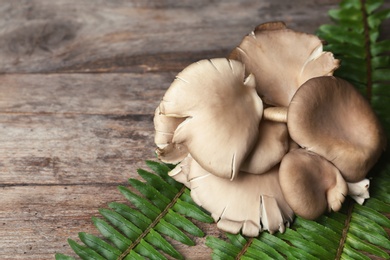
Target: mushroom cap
(250, 202)
(281, 60)
(272, 144)
(164, 126)
(330, 117)
(222, 112)
(311, 184)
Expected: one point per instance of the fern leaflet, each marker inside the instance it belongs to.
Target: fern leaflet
(162, 210)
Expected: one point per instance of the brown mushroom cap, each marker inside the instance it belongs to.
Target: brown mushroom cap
(222, 112)
(311, 184)
(282, 60)
(250, 202)
(272, 144)
(328, 116)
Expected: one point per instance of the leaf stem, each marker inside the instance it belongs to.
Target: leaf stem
(153, 224)
(345, 230)
(243, 250)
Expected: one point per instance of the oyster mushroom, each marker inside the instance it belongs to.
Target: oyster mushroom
(220, 113)
(270, 48)
(250, 203)
(329, 117)
(311, 184)
(271, 145)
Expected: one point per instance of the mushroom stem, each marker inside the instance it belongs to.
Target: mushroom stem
(276, 114)
(359, 190)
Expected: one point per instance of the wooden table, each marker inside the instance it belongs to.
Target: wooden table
(79, 82)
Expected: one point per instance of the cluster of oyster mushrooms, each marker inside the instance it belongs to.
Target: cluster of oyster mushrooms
(268, 132)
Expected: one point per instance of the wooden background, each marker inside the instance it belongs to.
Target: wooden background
(79, 82)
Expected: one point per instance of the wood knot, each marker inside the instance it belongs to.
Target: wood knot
(45, 36)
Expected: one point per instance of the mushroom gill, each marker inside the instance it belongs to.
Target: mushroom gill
(250, 203)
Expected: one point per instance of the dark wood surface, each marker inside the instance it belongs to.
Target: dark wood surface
(79, 82)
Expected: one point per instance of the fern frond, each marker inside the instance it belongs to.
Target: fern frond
(162, 209)
(354, 39)
(356, 232)
(351, 238)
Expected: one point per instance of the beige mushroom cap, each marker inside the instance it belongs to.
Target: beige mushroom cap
(222, 113)
(272, 144)
(282, 60)
(250, 202)
(311, 185)
(164, 126)
(328, 116)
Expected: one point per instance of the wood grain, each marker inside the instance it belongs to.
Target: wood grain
(88, 94)
(79, 82)
(39, 219)
(52, 214)
(52, 149)
(72, 35)
(44, 217)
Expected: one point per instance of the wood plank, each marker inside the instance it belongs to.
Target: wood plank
(70, 148)
(102, 94)
(36, 221)
(67, 140)
(69, 35)
(73, 128)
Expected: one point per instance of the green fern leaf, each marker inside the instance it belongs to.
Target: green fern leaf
(268, 250)
(163, 187)
(138, 231)
(134, 216)
(253, 254)
(149, 192)
(223, 246)
(145, 249)
(356, 232)
(378, 205)
(159, 242)
(162, 171)
(369, 224)
(143, 204)
(134, 256)
(182, 223)
(237, 240)
(100, 246)
(63, 257)
(309, 246)
(84, 252)
(173, 232)
(190, 210)
(119, 240)
(359, 244)
(127, 228)
(356, 36)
